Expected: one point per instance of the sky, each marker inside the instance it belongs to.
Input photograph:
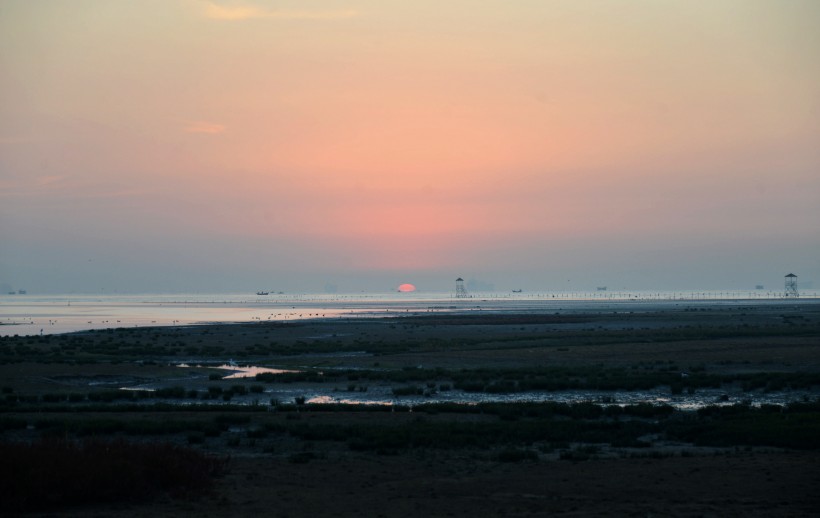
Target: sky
(196, 145)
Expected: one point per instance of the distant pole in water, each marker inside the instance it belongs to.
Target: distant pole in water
(461, 292)
(791, 286)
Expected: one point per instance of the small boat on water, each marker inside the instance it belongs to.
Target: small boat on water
(263, 293)
(516, 291)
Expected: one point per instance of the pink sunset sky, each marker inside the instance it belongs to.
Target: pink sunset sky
(169, 145)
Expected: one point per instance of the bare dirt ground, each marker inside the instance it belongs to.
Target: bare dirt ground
(447, 484)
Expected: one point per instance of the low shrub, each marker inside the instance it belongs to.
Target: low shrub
(516, 455)
(411, 390)
(303, 457)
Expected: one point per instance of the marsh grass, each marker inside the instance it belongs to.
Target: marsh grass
(552, 379)
(509, 332)
(795, 426)
(516, 455)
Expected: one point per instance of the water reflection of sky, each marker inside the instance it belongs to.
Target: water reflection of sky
(684, 403)
(31, 314)
(384, 396)
(237, 371)
(65, 316)
(249, 372)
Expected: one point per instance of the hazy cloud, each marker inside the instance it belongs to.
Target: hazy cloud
(49, 180)
(26, 187)
(204, 127)
(121, 193)
(70, 193)
(7, 141)
(247, 12)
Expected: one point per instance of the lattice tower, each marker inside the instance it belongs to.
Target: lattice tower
(791, 286)
(461, 291)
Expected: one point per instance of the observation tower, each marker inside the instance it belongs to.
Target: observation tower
(461, 292)
(791, 286)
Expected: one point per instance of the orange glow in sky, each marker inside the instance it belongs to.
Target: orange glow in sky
(361, 136)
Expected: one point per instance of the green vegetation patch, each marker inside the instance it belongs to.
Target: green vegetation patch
(796, 426)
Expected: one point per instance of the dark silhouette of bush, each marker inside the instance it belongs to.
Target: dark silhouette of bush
(302, 457)
(411, 390)
(171, 392)
(12, 423)
(239, 389)
(516, 455)
(53, 474)
(796, 427)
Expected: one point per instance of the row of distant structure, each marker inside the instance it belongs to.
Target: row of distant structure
(461, 292)
(790, 288)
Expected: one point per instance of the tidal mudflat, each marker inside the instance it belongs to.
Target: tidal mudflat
(468, 413)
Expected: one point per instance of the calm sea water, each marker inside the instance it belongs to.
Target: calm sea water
(31, 314)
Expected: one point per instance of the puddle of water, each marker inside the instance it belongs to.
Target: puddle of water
(328, 400)
(248, 371)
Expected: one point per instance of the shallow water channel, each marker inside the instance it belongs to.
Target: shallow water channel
(381, 393)
(384, 396)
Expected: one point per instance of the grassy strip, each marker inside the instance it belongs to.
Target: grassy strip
(120, 407)
(795, 426)
(457, 434)
(265, 339)
(551, 379)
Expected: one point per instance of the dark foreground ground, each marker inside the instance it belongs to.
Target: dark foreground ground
(430, 484)
(285, 458)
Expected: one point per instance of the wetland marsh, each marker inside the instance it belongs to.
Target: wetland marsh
(661, 386)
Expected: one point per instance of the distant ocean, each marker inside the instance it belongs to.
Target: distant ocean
(32, 314)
